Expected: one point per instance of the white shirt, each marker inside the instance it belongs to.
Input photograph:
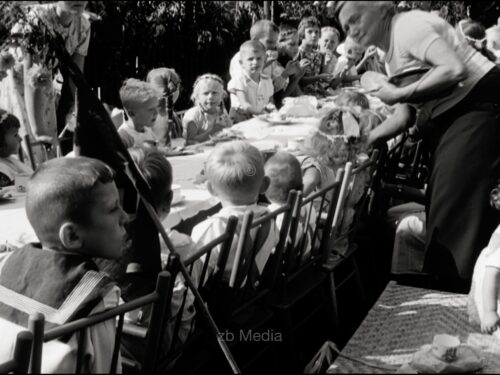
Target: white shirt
(128, 134)
(257, 94)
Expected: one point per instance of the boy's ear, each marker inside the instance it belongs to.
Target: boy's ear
(69, 236)
(265, 184)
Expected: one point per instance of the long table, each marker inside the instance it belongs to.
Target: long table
(403, 320)
(16, 230)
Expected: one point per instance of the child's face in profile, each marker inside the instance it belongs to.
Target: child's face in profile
(311, 35)
(252, 61)
(328, 42)
(145, 115)
(291, 46)
(105, 234)
(270, 40)
(209, 95)
(11, 143)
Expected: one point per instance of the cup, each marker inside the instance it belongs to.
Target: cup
(176, 196)
(21, 181)
(445, 347)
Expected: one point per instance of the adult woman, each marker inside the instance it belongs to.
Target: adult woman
(459, 102)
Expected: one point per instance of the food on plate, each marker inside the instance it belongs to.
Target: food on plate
(302, 106)
(224, 136)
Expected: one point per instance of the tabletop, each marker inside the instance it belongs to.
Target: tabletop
(402, 321)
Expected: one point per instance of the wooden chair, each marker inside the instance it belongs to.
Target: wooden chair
(299, 278)
(335, 258)
(240, 304)
(19, 364)
(179, 354)
(30, 150)
(159, 299)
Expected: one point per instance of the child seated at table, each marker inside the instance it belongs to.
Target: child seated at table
(484, 296)
(328, 43)
(10, 142)
(74, 208)
(235, 172)
(310, 84)
(252, 91)
(285, 175)
(266, 32)
(208, 116)
(168, 124)
(140, 105)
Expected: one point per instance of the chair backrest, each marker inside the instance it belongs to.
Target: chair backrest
(201, 277)
(159, 299)
(247, 283)
(37, 151)
(20, 361)
(307, 229)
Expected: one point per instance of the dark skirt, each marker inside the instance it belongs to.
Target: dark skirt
(465, 166)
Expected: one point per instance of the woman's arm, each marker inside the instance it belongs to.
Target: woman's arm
(447, 71)
(402, 118)
(491, 320)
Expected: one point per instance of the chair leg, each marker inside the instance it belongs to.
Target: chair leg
(333, 301)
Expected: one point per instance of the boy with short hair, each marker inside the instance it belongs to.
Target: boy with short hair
(140, 104)
(235, 172)
(285, 175)
(74, 208)
(251, 91)
(267, 33)
(493, 41)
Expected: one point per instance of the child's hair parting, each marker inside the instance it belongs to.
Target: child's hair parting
(305, 23)
(135, 92)
(64, 187)
(261, 28)
(236, 166)
(330, 29)
(283, 170)
(7, 122)
(157, 172)
(252, 45)
(204, 78)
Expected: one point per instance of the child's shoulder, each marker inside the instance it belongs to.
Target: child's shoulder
(193, 113)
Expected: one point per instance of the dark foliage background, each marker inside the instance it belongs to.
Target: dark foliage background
(196, 37)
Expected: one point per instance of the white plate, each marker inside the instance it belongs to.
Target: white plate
(275, 121)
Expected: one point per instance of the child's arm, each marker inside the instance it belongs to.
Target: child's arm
(191, 133)
(245, 106)
(311, 180)
(491, 320)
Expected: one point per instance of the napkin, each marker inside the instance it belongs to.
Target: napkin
(468, 360)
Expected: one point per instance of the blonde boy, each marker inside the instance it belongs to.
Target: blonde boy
(267, 33)
(235, 172)
(140, 103)
(251, 91)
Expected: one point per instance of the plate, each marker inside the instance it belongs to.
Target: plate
(274, 121)
(179, 152)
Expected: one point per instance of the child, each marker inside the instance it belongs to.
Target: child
(484, 296)
(309, 29)
(167, 82)
(288, 50)
(9, 145)
(349, 98)
(235, 172)
(209, 115)
(475, 35)
(285, 175)
(86, 220)
(266, 32)
(328, 43)
(140, 104)
(250, 91)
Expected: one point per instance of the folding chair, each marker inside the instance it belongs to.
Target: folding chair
(20, 361)
(299, 277)
(239, 304)
(159, 299)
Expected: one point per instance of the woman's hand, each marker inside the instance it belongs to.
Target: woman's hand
(490, 323)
